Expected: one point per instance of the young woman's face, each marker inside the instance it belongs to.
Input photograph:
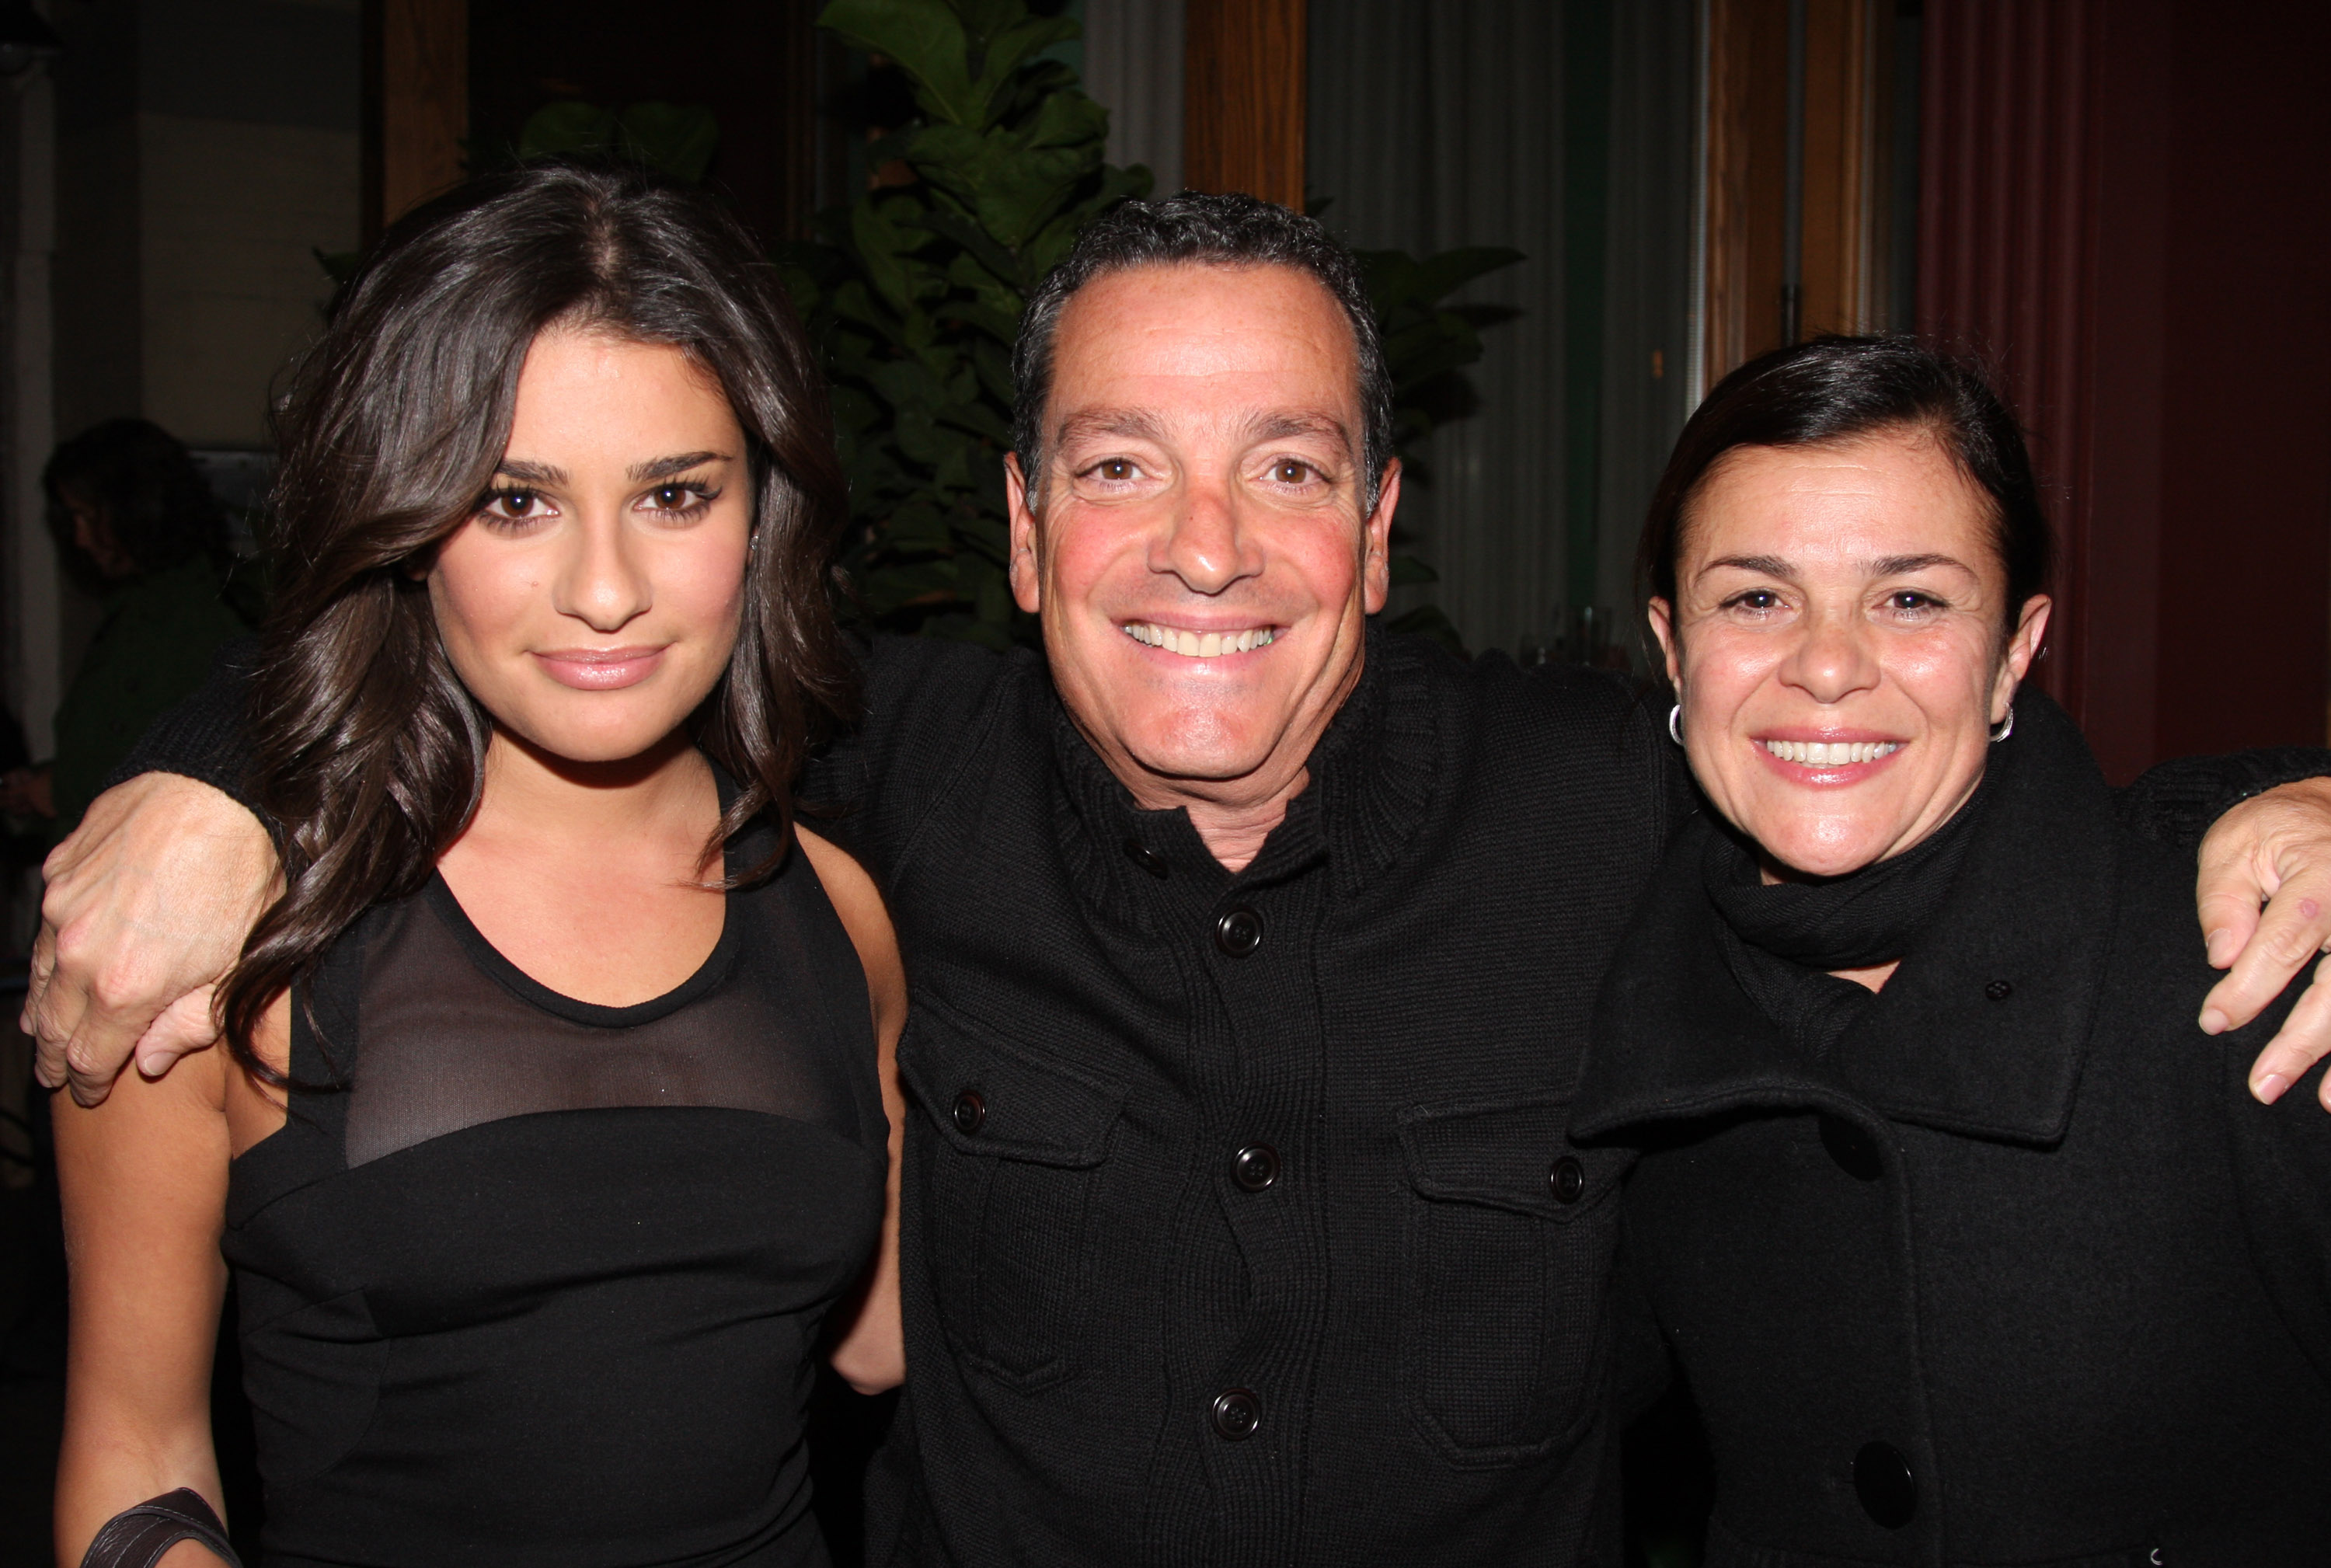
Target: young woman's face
(592, 602)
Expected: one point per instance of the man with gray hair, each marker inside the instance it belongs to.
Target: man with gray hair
(1252, 953)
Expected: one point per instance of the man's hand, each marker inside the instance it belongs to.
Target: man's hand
(148, 906)
(2266, 910)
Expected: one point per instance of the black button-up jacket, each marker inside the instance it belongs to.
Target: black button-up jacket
(1239, 1223)
(2017, 1271)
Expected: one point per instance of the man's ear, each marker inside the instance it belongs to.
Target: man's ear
(1376, 562)
(1026, 580)
(1663, 617)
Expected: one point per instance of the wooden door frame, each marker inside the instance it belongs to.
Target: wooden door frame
(416, 105)
(1244, 78)
(1842, 232)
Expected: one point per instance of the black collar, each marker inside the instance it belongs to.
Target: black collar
(1373, 775)
(1981, 1030)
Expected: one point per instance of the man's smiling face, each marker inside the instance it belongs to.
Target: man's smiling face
(1199, 544)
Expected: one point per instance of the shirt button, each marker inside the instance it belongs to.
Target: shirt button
(1147, 858)
(1568, 1179)
(1237, 1412)
(1239, 932)
(1882, 1480)
(1255, 1167)
(970, 1112)
(1999, 990)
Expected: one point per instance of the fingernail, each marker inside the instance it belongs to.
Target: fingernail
(2269, 1087)
(2213, 1020)
(2221, 946)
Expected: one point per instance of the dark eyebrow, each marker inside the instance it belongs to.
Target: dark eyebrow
(663, 467)
(1133, 421)
(640, 474)
(1891, 565)
(1281, 425)
(1770, 565)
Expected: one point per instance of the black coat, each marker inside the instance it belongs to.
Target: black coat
(2018, 1273)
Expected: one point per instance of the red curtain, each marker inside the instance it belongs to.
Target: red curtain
(2124, 207)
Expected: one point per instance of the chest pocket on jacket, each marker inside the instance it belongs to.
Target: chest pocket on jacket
(1017, 1142)
(1508, 1259)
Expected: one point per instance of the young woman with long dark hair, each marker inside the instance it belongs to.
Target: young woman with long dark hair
(554, 1129)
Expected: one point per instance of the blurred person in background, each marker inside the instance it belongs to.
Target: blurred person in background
(139, 528)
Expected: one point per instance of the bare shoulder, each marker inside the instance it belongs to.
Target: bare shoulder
(863, 915)
(256, 1110)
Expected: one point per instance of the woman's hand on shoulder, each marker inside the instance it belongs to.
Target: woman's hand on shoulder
(869, 1341)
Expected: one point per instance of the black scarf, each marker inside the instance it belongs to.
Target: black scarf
(1783, 939)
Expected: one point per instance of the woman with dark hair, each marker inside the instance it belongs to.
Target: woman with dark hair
(140, 529)
(556, 1130)
(1971, 1246)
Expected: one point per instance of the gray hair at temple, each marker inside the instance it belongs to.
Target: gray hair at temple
(1225, 231)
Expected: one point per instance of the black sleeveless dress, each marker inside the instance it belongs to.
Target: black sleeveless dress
(545, 1284)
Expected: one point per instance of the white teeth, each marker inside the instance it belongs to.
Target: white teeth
(1197, 645)
(1832, 753)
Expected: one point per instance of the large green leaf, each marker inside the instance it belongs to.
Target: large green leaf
(1007, 49)
(928, 42)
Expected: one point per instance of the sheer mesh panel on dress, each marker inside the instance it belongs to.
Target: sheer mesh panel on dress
(451, 1035)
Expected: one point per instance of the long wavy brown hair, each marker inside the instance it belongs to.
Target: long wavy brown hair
(369, 753)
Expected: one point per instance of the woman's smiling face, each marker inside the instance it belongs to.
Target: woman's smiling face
(1842, 645)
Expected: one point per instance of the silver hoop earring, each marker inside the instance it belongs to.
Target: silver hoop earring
(2006, 726)
(1675, 724)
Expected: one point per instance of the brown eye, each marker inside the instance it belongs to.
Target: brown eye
(1116, 469)
(671, 498)
(1289, 472)
(516, 503)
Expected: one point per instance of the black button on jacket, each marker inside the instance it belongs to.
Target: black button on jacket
(2017, 1271)
(1380, 1339)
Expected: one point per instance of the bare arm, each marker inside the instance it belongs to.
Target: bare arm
(870, 1354)
(147, 905)
(143, 1179)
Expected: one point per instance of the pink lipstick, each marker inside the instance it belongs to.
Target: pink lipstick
(600, 669)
